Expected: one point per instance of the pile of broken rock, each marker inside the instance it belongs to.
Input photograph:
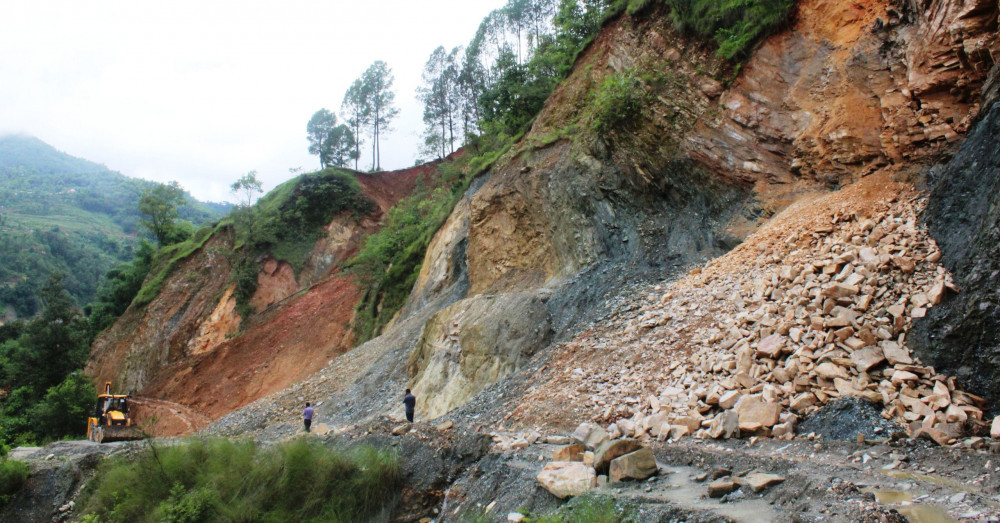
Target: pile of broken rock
(775, 330)
(594, 459)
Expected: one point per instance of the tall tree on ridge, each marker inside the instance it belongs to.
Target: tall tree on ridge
(318, 132)
(354, 109)
(442, 100)
(377, 82)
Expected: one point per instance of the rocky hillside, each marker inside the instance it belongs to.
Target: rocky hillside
(739, 258)
(571, 217)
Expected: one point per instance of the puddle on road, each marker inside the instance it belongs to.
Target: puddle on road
(889, 496)
(930, 478)
(914, 513)
(926, 514)
(676, 487)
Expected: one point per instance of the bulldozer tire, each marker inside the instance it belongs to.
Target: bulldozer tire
(99, 434)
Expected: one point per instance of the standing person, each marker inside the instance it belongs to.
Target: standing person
(307, 416)
(410, 401)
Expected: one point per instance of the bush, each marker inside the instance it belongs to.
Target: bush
(121, 286)
(218, 479)
(618, 100)
(734, 25)
(638, 6)
(588, 508)
(389, 260)
(65, 408)
(13, 474)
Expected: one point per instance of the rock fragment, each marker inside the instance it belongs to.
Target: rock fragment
(637, 465)
(567, 478)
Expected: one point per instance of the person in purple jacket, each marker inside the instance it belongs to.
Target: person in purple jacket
(410, 401)
(307, 416)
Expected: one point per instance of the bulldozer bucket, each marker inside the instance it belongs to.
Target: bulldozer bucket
(107, 434)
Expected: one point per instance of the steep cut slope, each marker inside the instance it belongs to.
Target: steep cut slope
(962, 338)
(571, 218)
(666, 189)
(190, 346)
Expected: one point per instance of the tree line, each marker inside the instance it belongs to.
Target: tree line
(498, 82)
(495, 84)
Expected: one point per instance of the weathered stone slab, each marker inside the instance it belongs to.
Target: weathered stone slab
(611, 450)
(721, 487)
(759, 481)
(754, 410)
(590, 434)
(567, 478)
(866, 358)
(638, 465)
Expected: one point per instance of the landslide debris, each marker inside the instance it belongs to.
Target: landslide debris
(813, 307)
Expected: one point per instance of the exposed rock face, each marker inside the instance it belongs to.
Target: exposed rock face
(962, 336)
(475, 343)
(852, 86)
(145, 340)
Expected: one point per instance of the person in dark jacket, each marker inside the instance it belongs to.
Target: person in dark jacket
(307, 416)
(410, 401)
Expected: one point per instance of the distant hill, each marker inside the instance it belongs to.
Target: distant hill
(66, 214)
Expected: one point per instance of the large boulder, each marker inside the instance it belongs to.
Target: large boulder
(611, 450)
(725, 425)
(756, 413)
(640, 465)
(567, 478)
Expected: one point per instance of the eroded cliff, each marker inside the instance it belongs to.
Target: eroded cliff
(190, 345)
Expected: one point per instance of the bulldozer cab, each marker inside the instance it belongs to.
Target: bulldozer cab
(113, 409)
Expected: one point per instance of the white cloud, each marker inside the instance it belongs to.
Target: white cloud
(202, 92)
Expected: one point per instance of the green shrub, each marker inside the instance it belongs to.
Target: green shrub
(389, 261)
(62, 411)
(13, 474)
(618, 100)
(222, 480)
(637, 6)
(587, 508)
(287, 221)
(166, 260)
(735, 25)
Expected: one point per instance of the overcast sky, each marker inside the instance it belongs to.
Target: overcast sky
(202, 92)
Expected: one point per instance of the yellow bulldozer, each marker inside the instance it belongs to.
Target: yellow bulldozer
(111, 420)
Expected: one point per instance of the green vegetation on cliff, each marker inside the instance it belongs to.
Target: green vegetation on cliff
(389, 260)
(734, 25)
(222, 480)
(286, 222)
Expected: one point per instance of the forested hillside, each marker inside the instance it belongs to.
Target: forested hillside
(64, 214)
